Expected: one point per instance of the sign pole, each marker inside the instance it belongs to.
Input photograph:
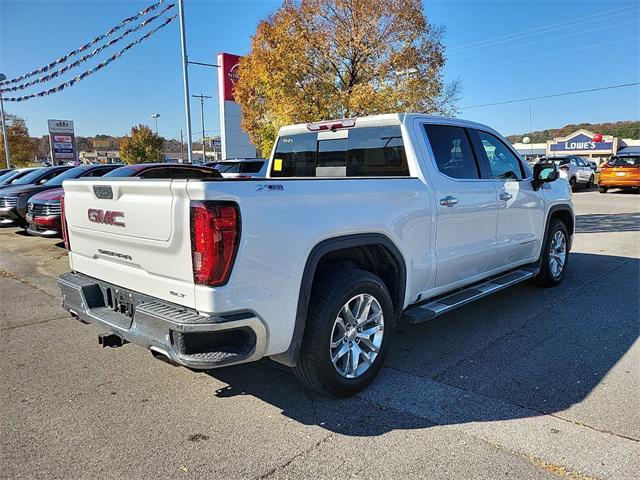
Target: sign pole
(185, 77)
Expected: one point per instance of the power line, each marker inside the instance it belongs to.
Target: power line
(536, 42)
(548, 27)
(610, 87)
(551, 54)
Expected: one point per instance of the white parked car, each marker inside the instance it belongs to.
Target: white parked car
(359, 224)
(575, 169)
(241, 167)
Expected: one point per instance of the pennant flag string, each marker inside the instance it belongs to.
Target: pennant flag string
(85, 46)
(72, 65)
(85, 74)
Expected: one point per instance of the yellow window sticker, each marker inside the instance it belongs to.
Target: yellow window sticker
(277, 164)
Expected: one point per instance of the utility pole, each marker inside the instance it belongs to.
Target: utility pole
(4, 126)
(181, 148)
(185, 77)
(204, 150)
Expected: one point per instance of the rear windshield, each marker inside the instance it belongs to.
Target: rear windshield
(361, 152)
(71, 173)
(624, 162)
(560, 161)
(239, 167)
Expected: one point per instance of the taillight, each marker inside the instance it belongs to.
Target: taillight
(215, 235)
(63, 224)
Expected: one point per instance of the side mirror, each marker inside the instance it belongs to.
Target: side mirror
(544, 172)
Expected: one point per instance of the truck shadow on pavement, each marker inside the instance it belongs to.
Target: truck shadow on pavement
(608, 222)
(524, 352)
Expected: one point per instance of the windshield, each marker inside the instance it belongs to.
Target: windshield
(30, 177)
(624, 161)
(71, 173)
(123, 172)
(7, 175)
(238, 167)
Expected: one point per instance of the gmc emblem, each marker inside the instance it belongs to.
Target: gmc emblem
(108, 218)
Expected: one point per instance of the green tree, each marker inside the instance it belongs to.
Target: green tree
(142, 146)
(322, 59)
(21, 147)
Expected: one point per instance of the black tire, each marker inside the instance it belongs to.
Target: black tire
(603, 189)
(589, 184)
(572, 182)
(330, 292)
(545, 277)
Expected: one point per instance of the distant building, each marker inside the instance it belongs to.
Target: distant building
(100, 156)
(580, 143)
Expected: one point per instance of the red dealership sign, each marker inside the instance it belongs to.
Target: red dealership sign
(229, 67)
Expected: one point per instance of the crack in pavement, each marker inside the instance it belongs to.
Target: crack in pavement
(12, 276)
(34, 323)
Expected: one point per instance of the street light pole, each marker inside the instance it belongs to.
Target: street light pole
(204, 150)
(4, 126)
(155, 116)
(185, 77)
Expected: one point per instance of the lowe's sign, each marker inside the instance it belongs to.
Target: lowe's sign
(581, 141)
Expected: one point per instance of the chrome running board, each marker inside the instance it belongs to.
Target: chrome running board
(449, 301)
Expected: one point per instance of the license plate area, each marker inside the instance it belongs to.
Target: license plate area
(120, 301)
(620, 174)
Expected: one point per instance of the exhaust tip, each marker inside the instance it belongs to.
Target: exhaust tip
(161, 355)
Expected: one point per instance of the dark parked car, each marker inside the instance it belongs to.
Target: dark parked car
(43, 209)
(165, 170)
(7, 178)
(13, 199)
(44, 212)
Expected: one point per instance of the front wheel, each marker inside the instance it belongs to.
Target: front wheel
(603, 189)
(554, 256)
(348, 332)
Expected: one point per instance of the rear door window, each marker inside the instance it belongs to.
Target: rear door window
(358, 152)
(452, 151)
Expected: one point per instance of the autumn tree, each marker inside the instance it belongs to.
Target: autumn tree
(322, 59)
(21, 148)
(141, 146)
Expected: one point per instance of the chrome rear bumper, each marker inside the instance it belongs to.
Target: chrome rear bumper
(178, 334)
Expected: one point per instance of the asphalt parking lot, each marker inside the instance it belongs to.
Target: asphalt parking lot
(529, 383)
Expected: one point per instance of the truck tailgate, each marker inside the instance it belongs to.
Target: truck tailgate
(133, 233)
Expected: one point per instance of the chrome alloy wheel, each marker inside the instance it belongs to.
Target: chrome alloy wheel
(357, 334)
(557, 253)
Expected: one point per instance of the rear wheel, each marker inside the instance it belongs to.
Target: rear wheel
(603, 189)
(572, 182)
(589, 184)
(555, 255)
(347, 334)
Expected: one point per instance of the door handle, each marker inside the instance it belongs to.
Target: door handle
(505, 196)
(448, 201)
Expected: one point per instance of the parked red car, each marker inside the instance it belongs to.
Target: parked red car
(44, 212)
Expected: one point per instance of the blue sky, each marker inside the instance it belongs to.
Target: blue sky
(500, 50)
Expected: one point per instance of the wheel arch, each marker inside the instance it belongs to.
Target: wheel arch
(564, 213)
(345, 250)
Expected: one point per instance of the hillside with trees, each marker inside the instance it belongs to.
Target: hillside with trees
(624, 129)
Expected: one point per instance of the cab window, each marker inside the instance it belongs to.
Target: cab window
(359, 152)
(452, 151)
(503, 163)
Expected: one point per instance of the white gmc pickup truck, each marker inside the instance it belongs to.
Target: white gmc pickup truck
(360, 224)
